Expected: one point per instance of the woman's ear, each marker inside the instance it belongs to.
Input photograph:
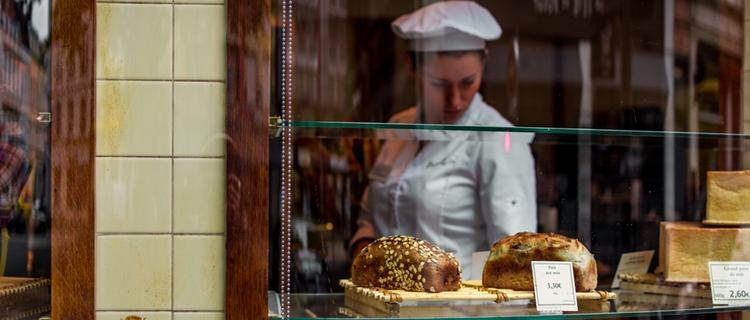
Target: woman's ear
(486, 55)
(410, 65)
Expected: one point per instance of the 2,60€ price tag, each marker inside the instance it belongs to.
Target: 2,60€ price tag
(554, 286)
(730, 282)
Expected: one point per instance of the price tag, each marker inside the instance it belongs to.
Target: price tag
(554, 286)
(633, 262)
(730, 282)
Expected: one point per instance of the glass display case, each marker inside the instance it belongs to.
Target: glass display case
(216, 158)
(596, 120)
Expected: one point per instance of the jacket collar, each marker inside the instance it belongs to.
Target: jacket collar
(442, 135)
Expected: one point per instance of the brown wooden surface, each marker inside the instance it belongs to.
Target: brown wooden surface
(248, 51)
(73, 86)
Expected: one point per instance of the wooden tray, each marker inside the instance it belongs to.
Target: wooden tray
(23, 297)
(650, 301)
(650, 283)
(391, 302)
(722, 223)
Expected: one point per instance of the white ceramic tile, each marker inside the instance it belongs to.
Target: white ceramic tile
(134, 272)
(200, 42)
(133, 195)
(137, 1)
(199, 273)
(199, 316)
(200, 1)
(199, 119)
(133, 41)
(140, 315)
(133, 118)
(199, 192)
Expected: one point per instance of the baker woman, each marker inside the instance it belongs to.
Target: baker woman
(460, 190)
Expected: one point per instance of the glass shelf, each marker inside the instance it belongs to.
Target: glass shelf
(333, 306)
(538, 130)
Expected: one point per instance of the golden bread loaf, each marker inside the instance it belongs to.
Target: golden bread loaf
(685, 248)
(509, 263)
(728, 196)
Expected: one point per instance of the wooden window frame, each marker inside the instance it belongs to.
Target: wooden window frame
(73, 232)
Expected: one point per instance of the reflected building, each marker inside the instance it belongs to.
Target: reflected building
(24, 95)
(25, 62)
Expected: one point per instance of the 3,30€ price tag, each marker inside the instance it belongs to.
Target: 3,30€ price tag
(554, 286)
(730, 282)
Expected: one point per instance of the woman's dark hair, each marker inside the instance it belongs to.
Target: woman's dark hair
(418, 57)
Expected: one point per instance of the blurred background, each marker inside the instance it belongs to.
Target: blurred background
(658, 65)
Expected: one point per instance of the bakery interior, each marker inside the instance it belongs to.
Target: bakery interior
(633, 102)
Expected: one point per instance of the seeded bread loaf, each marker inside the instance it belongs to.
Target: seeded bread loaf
(406, 263)
(509, 263)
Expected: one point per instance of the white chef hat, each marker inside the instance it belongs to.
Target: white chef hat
(448, 26)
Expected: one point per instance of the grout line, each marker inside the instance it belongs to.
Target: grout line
(164, 157)
(226, 31)
(155, 311)
(191, 234)
(173, 158)
(198, 4)
(161, 3)
(161, 80)
(133, 2)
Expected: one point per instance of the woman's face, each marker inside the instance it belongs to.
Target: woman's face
(446, 85)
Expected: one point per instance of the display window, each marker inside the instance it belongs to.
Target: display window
(463, 124)
(295, 159)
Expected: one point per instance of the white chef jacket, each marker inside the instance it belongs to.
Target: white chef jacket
(463, 192)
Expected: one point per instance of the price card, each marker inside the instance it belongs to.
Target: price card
(633, 262)
(554, 286)
(730, 282)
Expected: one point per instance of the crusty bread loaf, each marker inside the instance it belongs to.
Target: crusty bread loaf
(728, 196)
(687, 247)
(406, 263)
(509, 263)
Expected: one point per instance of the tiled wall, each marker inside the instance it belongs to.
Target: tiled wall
(160, 166)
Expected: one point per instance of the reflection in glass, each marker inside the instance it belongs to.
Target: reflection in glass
(25, 146)
(630, 103)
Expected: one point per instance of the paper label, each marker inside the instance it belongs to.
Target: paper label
(633, 262)
(478, 259)
(554, 286)
(730, 282)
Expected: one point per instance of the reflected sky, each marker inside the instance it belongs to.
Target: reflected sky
(40, 19)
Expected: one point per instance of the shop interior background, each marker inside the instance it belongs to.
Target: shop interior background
(660, 65)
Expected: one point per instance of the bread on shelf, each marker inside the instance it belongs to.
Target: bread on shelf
(685, 248)
(728, 197)
(406, 263)
(509, 263)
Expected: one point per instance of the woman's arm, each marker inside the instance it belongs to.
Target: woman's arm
(365, 233)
